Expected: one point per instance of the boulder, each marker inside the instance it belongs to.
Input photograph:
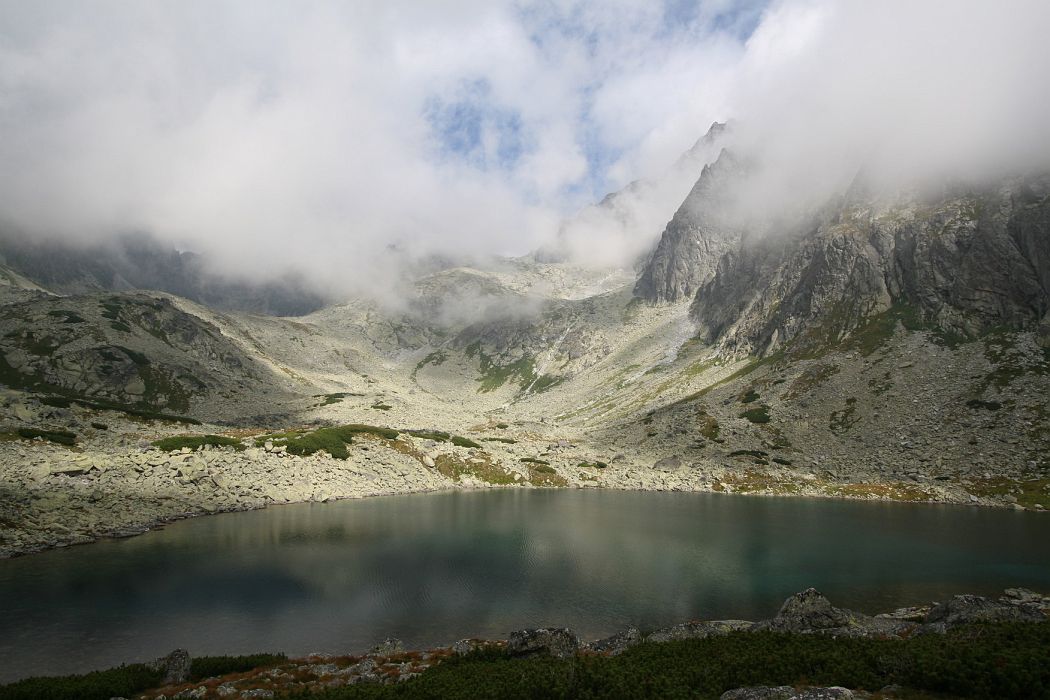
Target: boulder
(668, 464)
(176, 667)
(786, 692)
(387, 647)
(699, 630)
(617, 643)
(558, 642)
(809, 612)
(1023, 596)
(964, 609)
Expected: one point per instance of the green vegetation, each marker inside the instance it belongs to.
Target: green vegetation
(382, 406)
(124, 681)
(334, 398)
(975, 661)
(545, 382)
(331, 440)
(67, 401)
(506, 441)
(480, 467)
(120, 326)
(61, 437)
(1029, 493)
(811, 377)
(436, 358)
(533, 460)
(749, 453)
(841, 421)
(502, 426)
(709, 427)
(757, 415)
(435, 435)
(494, 375)
(596, 465)
(441, 436)
(212, 666)
(749, 396)
(128, 681)
(66, 316)
(195, 442)
(99, 426)
(781, 460)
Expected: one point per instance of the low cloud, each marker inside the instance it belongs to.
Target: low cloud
(314, 136)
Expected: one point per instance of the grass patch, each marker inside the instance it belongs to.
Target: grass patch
(595, 465)
(460, 441)
(709, 427)
(382, 406)
(749, 396)
(61, 437)
(505, 441)
(1029, 493)
(533, 460)
(757, 415)
(334, 398)
(124, 681)
(195, 442)
(480, 467)
(441, 436)
(331, 440)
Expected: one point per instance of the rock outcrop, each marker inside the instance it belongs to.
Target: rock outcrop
(702, 232)
(559, 642)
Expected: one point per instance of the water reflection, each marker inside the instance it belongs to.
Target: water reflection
(433, 568)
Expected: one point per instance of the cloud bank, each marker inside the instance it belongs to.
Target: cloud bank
(316, 135)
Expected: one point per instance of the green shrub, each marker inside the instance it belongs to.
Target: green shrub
(979, 661)
(194, 442)
(532, 460)
(211, 666)
(125, 681)
(99, 426)
(757, 415)
(459, 441)
(505, 441)
(62, 437)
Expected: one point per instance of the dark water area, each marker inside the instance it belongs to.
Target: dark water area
(431, 569)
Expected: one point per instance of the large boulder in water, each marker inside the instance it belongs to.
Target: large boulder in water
(558, 642)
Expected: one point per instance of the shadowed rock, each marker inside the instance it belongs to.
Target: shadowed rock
(558, 642)
(699, 630)
(617, 643)
(176, 667)
(809, 612)
(786, 692)
(965, 609)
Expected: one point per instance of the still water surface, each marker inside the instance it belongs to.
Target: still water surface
(430, 569)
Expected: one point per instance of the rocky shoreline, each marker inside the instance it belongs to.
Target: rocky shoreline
(54, 496)
(805, 613)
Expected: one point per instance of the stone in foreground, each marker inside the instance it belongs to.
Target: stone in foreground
(559, 642)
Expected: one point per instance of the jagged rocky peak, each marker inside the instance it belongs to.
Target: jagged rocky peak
(963, 262)
(703, 230)
(621, 229)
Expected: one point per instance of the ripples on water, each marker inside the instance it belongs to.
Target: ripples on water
(434, 568)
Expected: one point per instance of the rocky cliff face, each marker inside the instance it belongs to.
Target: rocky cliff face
(700, 234)
(961, 262)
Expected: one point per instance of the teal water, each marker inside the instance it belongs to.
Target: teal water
(430, 569)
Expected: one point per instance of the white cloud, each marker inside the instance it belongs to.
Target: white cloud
(297, 134)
